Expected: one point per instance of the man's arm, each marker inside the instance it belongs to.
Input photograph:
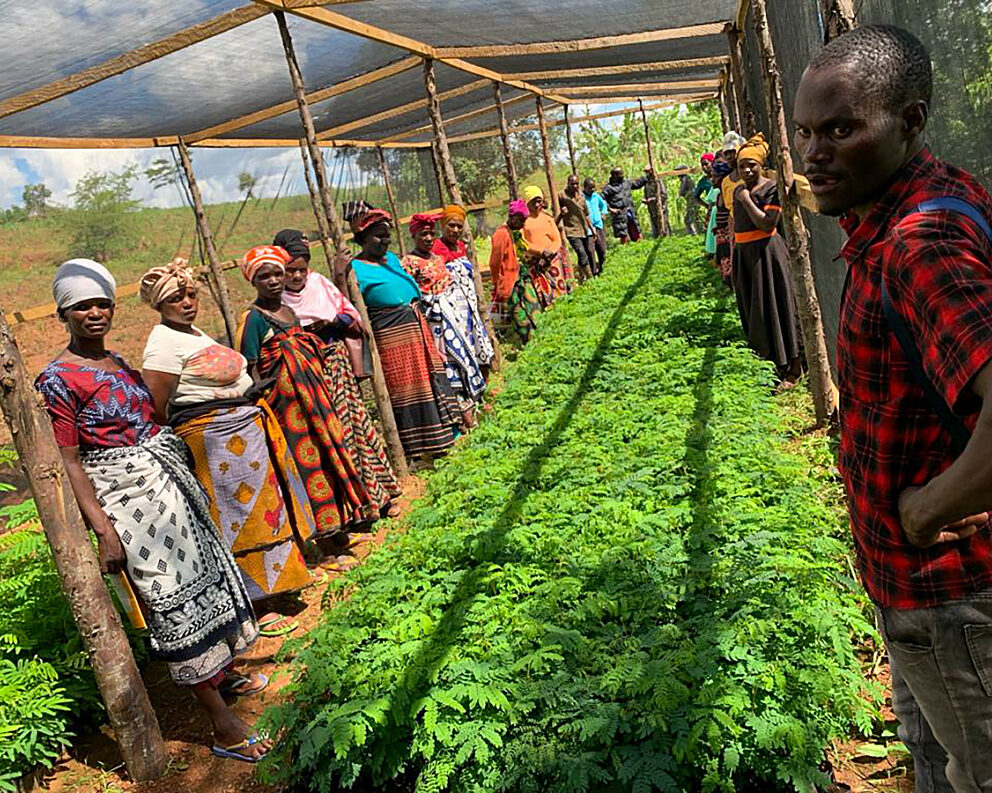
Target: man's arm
(954, 504)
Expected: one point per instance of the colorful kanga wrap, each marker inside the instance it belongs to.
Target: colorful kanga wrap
(261, 255)
(361, 440)
(423, 404)
(242, 460)
(198, 612)
(525, 302)
(455, 322)
(303, 404)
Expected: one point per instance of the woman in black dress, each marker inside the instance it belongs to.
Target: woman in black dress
(761, 267)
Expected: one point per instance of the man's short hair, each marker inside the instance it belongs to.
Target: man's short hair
(894, 64)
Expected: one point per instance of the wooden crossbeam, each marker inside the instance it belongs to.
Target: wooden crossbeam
(622, 68)
(30, 142)
(347, 24)
(580, 45)
(672, 102)
(314, 96)
(451, 121)
(393, 112)
(605, 100)
(605, 90)
(129, 60)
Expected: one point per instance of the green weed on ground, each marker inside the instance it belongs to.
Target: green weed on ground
(624, 581)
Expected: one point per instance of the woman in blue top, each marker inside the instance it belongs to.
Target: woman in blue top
(424, 405)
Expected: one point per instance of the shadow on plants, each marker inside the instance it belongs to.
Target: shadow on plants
(493, 543)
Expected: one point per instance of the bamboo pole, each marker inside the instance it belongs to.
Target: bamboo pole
(745, 110)
(504, 135)
(546, 147)
(571, 143)
(725, 121)
(821, 381)
(128, 708)
(660, 194)
(838, 18)
(448, 170)
(392, 199)
(394, 446)
(213, 260)
(730, 87)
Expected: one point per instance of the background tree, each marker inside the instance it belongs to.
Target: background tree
(101, 222)
(247, 183)
(168, 173)
(35, 198)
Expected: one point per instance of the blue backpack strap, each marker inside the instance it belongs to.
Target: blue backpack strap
(952, 423)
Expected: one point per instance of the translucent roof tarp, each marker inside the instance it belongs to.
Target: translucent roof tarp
(217, 81)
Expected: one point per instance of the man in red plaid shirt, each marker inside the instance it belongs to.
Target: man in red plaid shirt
(918, 503)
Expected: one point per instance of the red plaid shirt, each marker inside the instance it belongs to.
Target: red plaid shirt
(938, 267)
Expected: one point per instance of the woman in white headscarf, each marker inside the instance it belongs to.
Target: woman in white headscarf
(146, 508)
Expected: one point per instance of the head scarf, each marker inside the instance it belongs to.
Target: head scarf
(369, 218)
(452, 211)
(708, 157)
(755, 149)
(531, 192)
(82, 279)
(732, 140)
(352, 209)
(160, 283)
(518, 207)
(721, 168)
(420, 222)
(259, 256)
(294, 242)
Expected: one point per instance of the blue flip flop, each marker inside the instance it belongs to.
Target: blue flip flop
(231, 752)
(234, 682)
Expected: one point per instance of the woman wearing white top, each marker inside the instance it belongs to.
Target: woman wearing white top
(201, 388)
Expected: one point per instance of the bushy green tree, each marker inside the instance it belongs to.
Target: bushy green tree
(35, 197)
(101, 222)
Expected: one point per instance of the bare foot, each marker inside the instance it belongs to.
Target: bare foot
(231, 731)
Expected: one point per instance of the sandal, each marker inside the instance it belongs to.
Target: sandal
(267, 629)
(317, 580)
(233, 752)
(234, 685)
(339, 564)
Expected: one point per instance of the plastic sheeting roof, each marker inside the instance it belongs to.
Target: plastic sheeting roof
(82, 69)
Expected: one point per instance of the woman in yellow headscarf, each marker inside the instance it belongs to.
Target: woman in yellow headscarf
(542, 250)
(761, 266)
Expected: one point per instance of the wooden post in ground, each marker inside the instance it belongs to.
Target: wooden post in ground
(504, 136)
(745, 111)
(571, 143)
(438, 175)
(128, 708)
(546, 147)
(394, 446)
(725, 123)
(821, 380)
(392, 200)
(213, 260)
(660, 194)
(330, 253)
(730, 95)
(448, 170)
(838, 18)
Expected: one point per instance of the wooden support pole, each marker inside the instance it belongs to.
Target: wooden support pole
(332, 223)
(730, 94)
(746, 115)
(448, 170)
(213, 260)
(660, 194)
(128, 708)
(438, 175)
(504, 135)
(392, 200)
(838, 18)
(821, 381)
(542, 125)
(571, 143)
(725, 122)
